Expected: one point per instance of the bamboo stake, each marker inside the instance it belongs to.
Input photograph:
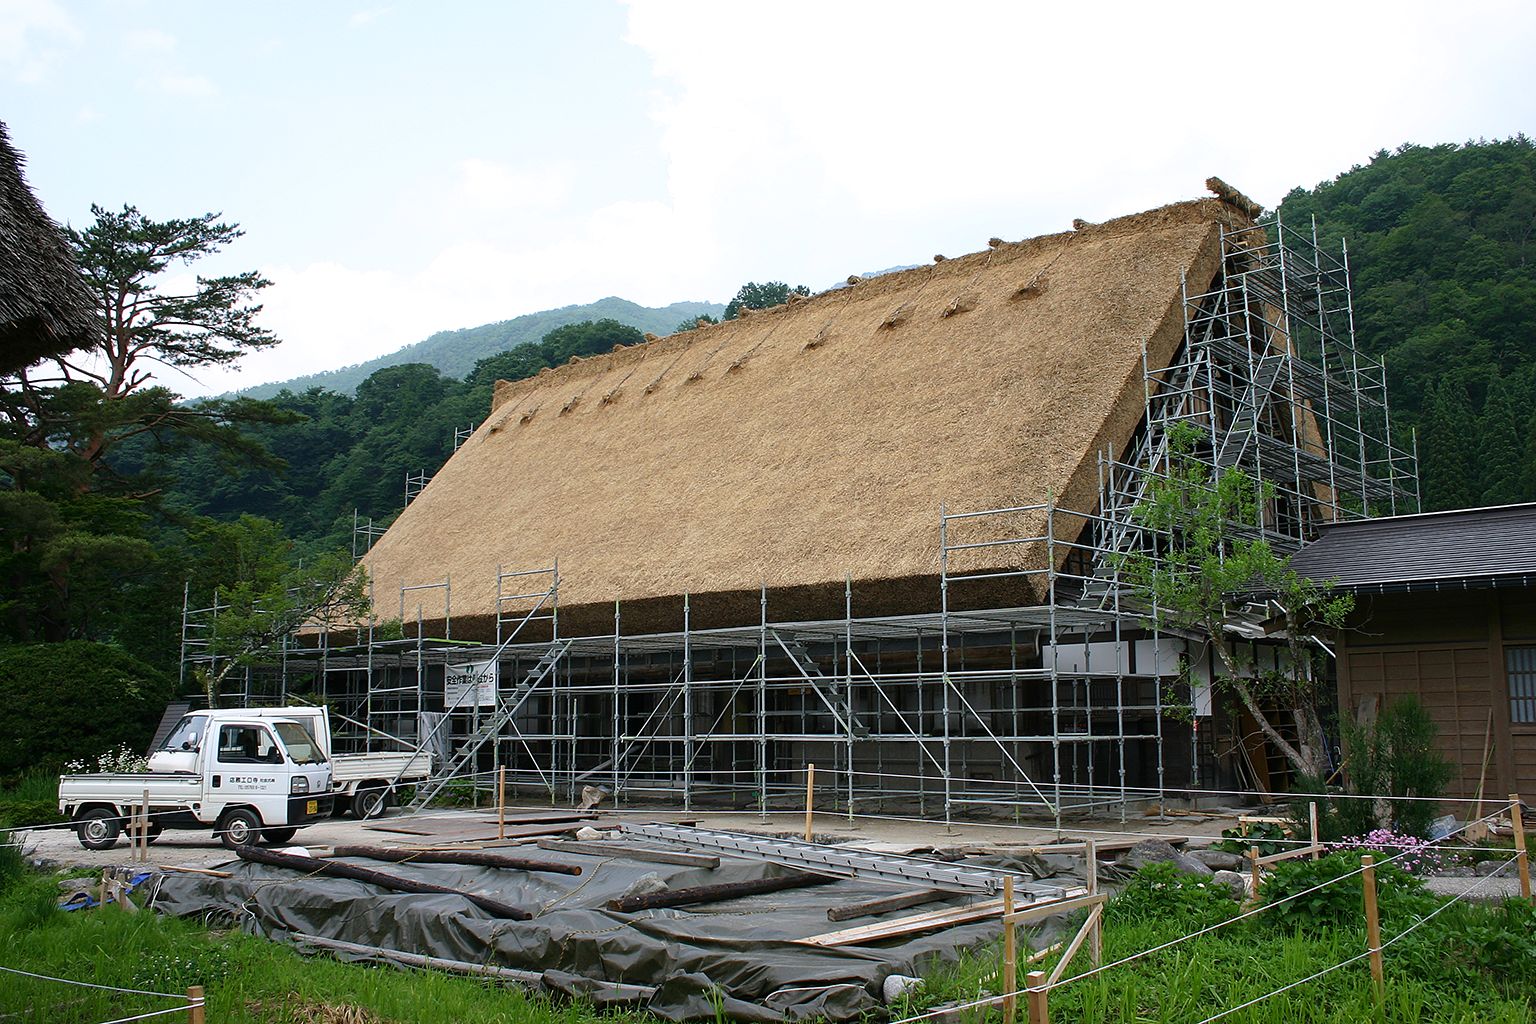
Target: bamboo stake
(501, 803)
(1317, 846)
(810, 792)
(1096, 936)
(1039, 995)
(1522, 856)
(195, 1004)
(1373, 925)
(1010, 956)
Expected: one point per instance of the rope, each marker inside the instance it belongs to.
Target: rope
(91, 984)
(157, 1013)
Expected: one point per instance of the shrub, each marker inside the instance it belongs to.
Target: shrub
(1393, 757)
(1339, 900)
(71, 700)
(1161, 892)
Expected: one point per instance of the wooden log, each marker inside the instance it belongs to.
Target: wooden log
(885, 904)
(1522, 855)
(629, 852)
(697, 894)
(336, 869)
(469, 857)
(621, 989)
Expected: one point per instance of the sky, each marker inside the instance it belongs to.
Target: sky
(409, 167)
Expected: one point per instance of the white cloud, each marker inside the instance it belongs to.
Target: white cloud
(485, 185)
(189, 86)
(367, 16)
(149, 40)
(34, 37)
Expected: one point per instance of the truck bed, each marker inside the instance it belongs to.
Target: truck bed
(128, 788)
(406, 766)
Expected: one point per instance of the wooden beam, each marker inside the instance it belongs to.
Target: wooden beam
(629, 852)
(336, 869)
(1077, 943)
(886, 904)
(1050, 908)
(470, 857)
(697, 894)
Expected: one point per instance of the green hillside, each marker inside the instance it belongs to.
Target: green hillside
(1442, 247)
(455, 353)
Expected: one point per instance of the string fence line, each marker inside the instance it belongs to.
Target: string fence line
(158, 1013)
(92, 984)
(989, 1001)
(1361, 956)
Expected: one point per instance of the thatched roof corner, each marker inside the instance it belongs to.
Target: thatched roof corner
(817, 439)
(46, 307)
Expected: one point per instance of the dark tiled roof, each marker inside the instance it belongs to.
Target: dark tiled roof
(1465, 548)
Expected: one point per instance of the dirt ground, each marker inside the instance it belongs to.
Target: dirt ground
(58, 846)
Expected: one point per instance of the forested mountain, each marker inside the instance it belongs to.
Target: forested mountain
(455, 353)
(1442, 246)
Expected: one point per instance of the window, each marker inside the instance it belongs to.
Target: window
(247, 744)
(188, 734)
(301, 745)
(1520, 666)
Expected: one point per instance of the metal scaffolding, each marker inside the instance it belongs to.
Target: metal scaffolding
(1052, 705)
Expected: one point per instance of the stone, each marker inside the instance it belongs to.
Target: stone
(897, 985)
(588, 833)
(1492, 867)
(1150, 851)
(1191, 866)
(1235, 881)
(1457, 871)
(1219, 860)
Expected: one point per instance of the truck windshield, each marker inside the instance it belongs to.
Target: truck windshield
(188, 734)
(301, 745)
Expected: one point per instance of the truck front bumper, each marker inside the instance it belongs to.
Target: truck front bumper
(305, 809)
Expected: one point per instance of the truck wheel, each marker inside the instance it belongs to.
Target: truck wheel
(278, 836)
(239, 828)
(98, 828)
(370, 803)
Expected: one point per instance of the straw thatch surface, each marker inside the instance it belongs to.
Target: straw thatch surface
(813, 441)
(45, 306)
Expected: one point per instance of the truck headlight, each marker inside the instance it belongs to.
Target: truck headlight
(300, 784)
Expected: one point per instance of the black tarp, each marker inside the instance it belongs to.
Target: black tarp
(736, 954)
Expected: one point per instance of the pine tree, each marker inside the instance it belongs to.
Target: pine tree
(1499, 456)
(1447, 452)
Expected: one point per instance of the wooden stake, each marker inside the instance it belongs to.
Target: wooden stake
(1091, 869)
(144, 829)
(1522, 856)
(1010, 956)
(501, 803)
(1253, 870)
(1039, 1007)
(1317, 845)
(1373, 925)
(810, 795)
(195, 1004)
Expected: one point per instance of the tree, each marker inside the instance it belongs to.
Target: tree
(1448, 449)
(1501, 448)
(1208, 570)
(761, 296)
(694, 321)
(266, 594)
(88, 403)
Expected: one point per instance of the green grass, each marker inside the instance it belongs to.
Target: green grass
(1469, 964)
(247, 980)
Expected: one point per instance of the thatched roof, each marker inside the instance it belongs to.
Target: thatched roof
(45, 307)
(813, 441)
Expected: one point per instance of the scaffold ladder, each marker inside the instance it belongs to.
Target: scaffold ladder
(835, 700)
(490, 727)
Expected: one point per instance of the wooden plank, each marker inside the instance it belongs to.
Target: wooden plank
(1075, 944)
(487, 833)
(629, 852)
(886, 904)
(1050, 908)
(930, 921)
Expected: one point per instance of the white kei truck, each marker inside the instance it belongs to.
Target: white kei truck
(251, 774)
